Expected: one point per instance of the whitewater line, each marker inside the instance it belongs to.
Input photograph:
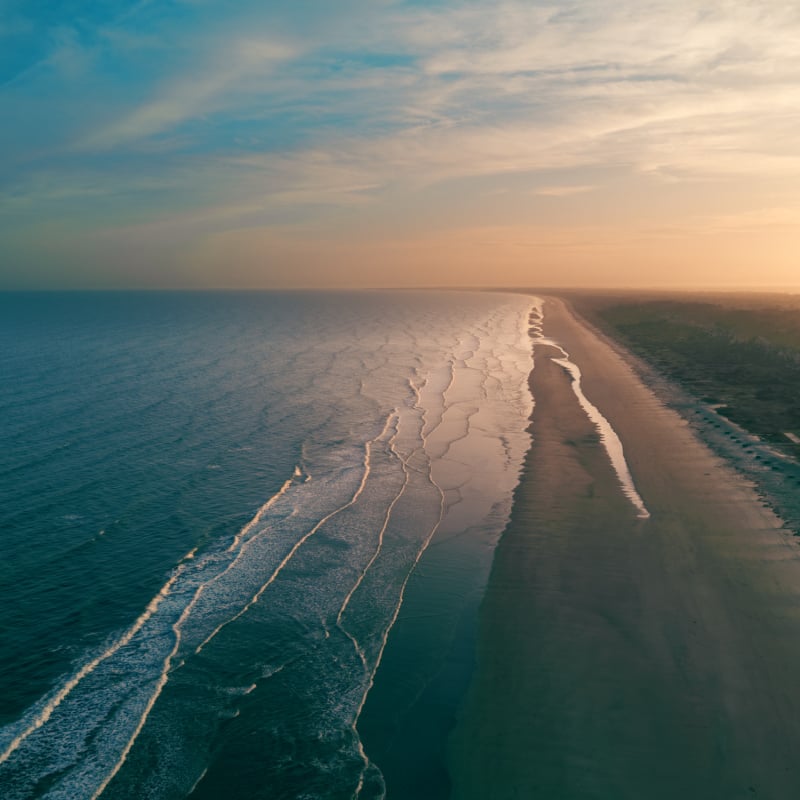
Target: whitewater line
(162, 680)
(239, 536)
(90, 666)
(425, 416)
(50, 707)
(461, 436)
(415, 389)
(353, 500)
(176, 627)
(260, 513)
(197, 782)
(387, 517)
(388, 630)
(359, 650)
(385, 638)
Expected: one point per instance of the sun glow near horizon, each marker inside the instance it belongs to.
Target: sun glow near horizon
(575, 143)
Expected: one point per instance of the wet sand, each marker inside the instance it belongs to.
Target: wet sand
(630, 658)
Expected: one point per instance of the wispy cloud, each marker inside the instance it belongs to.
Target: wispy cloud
(189, 96)
(368, 114)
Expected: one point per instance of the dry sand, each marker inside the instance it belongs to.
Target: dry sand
(627, 658)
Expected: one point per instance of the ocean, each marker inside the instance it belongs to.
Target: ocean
(245, 536)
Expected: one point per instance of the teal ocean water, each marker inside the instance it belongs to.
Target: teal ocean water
(244, 536)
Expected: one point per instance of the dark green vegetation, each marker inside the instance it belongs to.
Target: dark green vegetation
(740, 354)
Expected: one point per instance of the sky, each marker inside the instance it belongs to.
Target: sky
(311, 143)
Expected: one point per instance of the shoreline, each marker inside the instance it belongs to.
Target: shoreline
(773, 473)
(621, 657)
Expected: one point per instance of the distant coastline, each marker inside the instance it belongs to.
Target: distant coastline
(737, 390)
(621, 657)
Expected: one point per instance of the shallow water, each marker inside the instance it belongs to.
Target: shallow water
(213, 509)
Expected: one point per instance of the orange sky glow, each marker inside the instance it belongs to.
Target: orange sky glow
(572, 143)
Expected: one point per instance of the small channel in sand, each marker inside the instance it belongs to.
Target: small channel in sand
(608, 436)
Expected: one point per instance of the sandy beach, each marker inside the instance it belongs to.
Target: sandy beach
(623, 657)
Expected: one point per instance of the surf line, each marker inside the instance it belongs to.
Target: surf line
(177, 627)
(420, 552)
(339, 617)
(44, 715)
(387, 631)
(303, 539)
(66, 689)
(387, 517)
(162, 680)
(608, 436)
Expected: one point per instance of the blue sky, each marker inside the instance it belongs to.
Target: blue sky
(304, 143)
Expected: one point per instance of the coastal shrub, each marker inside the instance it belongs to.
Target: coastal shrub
(739, 353)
